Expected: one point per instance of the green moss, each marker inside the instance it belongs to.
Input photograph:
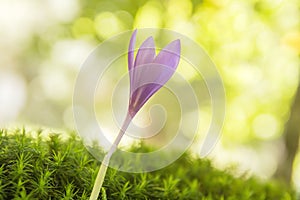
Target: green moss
(33, 168)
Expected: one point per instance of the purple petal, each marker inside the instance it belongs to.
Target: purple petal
(163, 67)
(170, 55)
(151, 78)
(146, 52)
(150, 73)
(140, 97)
(145, 55)
(131, 50)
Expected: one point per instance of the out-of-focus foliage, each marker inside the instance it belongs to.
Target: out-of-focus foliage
(255, 45)
(35, 168)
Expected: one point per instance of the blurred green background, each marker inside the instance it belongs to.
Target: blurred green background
(255, 45)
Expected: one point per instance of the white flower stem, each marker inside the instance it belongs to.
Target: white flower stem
(99, 181)
(102, 171)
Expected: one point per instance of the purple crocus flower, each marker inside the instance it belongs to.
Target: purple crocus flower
(148, 73)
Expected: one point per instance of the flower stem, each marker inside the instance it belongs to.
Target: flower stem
(102, 171)
(99, 181)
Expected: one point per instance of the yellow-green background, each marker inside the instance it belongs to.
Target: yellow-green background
(255, 45)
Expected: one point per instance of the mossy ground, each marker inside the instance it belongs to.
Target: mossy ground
(35, 168)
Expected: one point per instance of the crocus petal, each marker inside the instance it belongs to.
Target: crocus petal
(150, 73)
(168, 58)
(145, 55)
(151, 78)
(139, 98)
(170, 55)
(131, 50)
(146, 52)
